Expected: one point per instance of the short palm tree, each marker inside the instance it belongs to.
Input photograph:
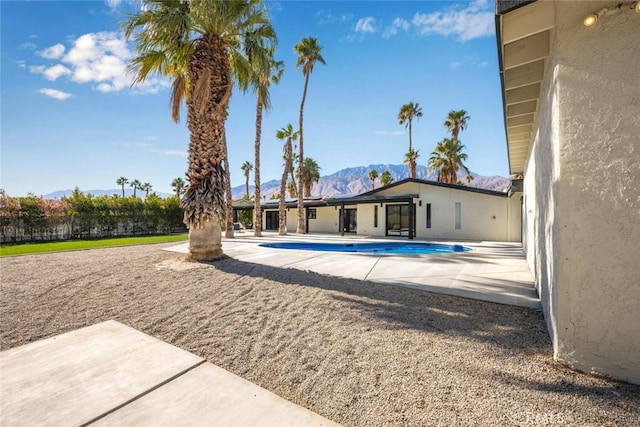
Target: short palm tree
(286, 133)
(146, 187)
(405, 117)
(411, 158)
(246, 168)
(200, 46)
(386, 178)
(122, 181)
(456, 122)
(135, 184)
(310, 175)
(177, 185)
(447, 159)
(308, 51)
(373, 174)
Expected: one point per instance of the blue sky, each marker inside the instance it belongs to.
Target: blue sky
(70, 118)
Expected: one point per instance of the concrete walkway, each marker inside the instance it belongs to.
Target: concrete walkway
(491, 271)
(111, 374)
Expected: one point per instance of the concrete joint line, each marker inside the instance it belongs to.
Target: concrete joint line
(133, 399)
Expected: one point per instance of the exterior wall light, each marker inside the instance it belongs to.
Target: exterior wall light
(591, 20)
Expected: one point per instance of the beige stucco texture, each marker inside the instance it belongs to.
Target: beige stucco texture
(582, 191)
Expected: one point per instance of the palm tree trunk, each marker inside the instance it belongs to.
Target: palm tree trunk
(123, 191)
(257, 211)
(301, 224)
(203, 201)
(246, 183)
(228, 229)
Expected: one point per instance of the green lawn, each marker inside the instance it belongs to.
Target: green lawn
(74, 245)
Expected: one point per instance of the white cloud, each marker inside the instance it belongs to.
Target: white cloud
(179, 153)
(27, 45)
(113, 3)
(397, 24)
(474, 21)
(395, 132)
(56, 94)
(51, 73)
(325, 17)
(469, 61)
(365, 25)
(53, 52)
(99, 59)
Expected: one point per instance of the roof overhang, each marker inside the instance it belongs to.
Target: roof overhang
(523, 31)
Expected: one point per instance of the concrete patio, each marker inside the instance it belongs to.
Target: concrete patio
(492, 271)
(111, 374)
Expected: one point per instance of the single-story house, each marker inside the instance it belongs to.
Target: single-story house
(411, 208)
(569, 73)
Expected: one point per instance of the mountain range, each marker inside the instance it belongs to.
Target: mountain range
(352, 181)
(349, 181)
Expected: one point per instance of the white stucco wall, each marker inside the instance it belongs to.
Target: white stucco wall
(326, 220)
(484, 216)
(582, 192)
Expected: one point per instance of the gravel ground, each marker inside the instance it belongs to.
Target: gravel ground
(358, 353)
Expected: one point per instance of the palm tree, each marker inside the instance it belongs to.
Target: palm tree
(447, 158)
(177, 185)
(246, 168)
(386, 178)
(308, 51)
(263, 74)
(373, 174)
(456, 122)
(288, 134)
(292, 189)
(405, 117)
(410, 158)
(199, 45)
(310, 175)
(135, 184)
(146, 187)
(122, 181)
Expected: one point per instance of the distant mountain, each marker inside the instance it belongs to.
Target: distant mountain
(118, 191)
(352, 181)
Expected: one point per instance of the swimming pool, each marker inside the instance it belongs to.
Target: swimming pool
(416, 248)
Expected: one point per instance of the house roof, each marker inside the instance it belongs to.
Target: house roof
(436, 184)
(523, 32)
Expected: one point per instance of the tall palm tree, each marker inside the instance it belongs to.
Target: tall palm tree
(373, 174)
(135, 184)
(386, 178)
(447, 158)
(265, 70)
(177, 185)
(246, 168)
(310, 175)
(456, 122)
(146, 187)
(122, 181)
(199, 45)
(308, 51)
(405, 117)
(286, 133)
(410, 157)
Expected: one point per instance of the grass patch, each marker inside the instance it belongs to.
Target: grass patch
(74, 245)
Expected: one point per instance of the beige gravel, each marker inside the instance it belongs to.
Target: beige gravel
(359, 353)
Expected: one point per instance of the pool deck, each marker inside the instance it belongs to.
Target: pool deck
(492, 271)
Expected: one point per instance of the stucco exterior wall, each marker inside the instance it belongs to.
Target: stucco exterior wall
(326, 220)
(483, 216)
(582, 192)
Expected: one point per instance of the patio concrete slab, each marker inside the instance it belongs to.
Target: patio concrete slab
(72, 378)
(491, 271)
(111, 374)
(209, 395)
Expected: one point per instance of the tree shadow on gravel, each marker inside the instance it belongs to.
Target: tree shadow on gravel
(397, 307)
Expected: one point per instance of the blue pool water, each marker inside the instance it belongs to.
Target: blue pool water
(371, 247)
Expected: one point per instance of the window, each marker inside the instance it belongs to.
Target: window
(428, 215)
(458, 216)
(311, 213)
(375, 216)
